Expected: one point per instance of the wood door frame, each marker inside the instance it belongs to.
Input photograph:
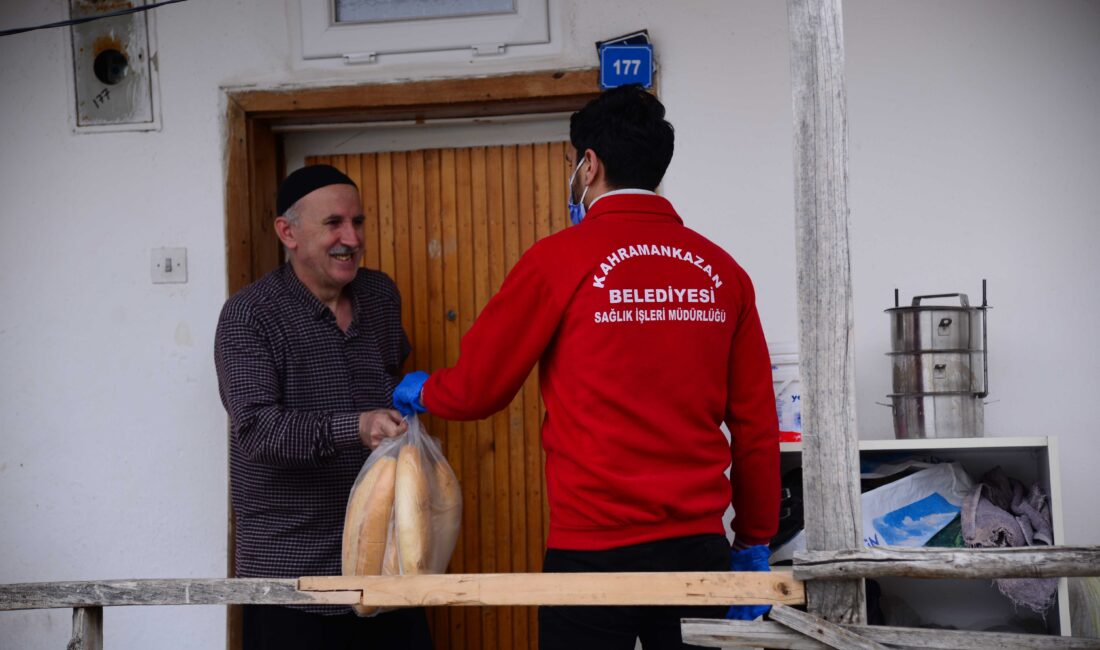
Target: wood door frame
(254, 158)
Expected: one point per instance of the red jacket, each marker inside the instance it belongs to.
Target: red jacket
(648, 339)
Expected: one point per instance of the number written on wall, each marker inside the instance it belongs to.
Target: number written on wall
(101, 98)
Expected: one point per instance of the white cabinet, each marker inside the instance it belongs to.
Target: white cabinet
(971, 604)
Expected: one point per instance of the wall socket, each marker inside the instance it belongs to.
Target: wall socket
(169, 265)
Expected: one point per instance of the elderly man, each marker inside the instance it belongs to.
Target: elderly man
(307, 359)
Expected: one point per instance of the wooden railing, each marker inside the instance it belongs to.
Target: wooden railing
(791, 628)
(788, 628)
(692, 588)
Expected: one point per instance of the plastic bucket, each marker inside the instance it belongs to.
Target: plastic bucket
(788, 386)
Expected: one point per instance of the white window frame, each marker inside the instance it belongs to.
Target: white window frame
(323, 38)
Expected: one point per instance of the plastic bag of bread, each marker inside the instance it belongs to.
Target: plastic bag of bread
(404, 511)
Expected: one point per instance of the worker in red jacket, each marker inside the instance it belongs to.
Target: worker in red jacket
(647, 339)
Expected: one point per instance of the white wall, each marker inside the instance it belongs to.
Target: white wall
(975, 151)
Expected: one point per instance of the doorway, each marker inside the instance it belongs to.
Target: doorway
(446, 223)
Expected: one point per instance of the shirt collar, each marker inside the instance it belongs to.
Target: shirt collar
(629, 190)
(632, 205)
(302, 293)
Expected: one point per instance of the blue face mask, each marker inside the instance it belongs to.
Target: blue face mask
(576, 210)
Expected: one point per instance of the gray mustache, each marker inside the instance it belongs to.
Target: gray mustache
(341, 250)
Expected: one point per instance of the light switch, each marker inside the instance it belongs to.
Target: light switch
(169, 265)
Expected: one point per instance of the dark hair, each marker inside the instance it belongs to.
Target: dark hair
(626, 128)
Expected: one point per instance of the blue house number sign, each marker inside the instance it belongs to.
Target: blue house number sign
(626, 64)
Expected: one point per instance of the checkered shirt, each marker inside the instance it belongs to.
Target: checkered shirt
(294, 384)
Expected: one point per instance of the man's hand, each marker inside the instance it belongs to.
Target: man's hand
(753, 558)
(376, 426)
(406, 397)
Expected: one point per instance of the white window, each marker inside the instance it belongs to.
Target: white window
(357, 30)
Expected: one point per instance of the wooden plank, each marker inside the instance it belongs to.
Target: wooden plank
(368, 191)
(818, 628)
(420, 333)
(718, 633)
(402, 252)
(215, 591)
(827, 364)
(87, 629)
(675, 588)
(547, 167)
(525, 425)
(263, 181)
(238, 227)
(485, 460)
(386, 262)
(354, 170)
(466, 313)
(515, 439)
(434, 252)
(238, 251)
(560, 155)
(494, 190)
(1025, 562)
(543, 193)
(436, 357)
(556, 221)
(710, 633)
(912, 637)
(456, 629)
(533, 92)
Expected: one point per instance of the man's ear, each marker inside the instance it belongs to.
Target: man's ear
(593, 168)
(285, 231)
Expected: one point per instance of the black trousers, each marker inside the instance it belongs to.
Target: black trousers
(617, 628)
(270, 627)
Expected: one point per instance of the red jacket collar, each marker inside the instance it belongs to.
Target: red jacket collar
(636, 207)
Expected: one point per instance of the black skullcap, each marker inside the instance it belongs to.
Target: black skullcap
(304, 181)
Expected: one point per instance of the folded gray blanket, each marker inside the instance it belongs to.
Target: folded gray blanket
(1001, 512)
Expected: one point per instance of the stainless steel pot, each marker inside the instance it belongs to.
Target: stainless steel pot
(940, 369)
(938, 416)
(922, 328)
(953, 371)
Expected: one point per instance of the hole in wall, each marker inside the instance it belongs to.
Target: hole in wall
(111, 66)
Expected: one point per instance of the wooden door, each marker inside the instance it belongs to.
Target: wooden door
(447, 225)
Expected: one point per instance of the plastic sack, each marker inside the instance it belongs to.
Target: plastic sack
(404, 511)
(912, 510)
(908, 512)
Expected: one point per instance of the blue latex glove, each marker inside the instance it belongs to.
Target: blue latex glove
(753, 558)
(406, 397)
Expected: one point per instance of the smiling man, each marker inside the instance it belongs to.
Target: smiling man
(307, 359)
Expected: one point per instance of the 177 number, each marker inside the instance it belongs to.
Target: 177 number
(623, 66)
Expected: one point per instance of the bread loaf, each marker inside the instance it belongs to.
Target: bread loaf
(376, 521)
(446, 516)
(390, 564)
(375, 526)
(357, 509)
(412, 511)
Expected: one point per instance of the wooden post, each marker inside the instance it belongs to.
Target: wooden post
(87, 629)
(830, 459)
